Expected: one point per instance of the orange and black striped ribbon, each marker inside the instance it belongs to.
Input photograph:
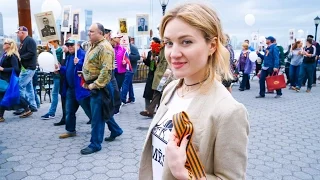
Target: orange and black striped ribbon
(183, 127)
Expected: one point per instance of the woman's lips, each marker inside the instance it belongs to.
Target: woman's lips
(178, 65)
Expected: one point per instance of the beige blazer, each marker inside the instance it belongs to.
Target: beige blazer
(220, 136)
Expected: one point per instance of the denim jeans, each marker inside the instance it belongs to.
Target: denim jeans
(26, 87)
(36, 96)
(262, 81)
(127, 87)
(72, 106)
(315, 72)
(294, 75)
(306, 72)
(55, 96)
(97, 121)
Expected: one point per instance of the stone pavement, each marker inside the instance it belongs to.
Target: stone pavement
(284, 142)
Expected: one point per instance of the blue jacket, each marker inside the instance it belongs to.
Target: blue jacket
(81, 92)
(134, 57)
(271, 57)
(248, 66)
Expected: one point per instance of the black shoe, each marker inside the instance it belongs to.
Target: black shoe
(18, 112)
(111, 138)
(241, 89)
(259, 96)
(87, 151)
(62, 122)
(34, 110)
(89, 122)
(278, 96)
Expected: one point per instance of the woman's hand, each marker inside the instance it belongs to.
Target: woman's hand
(143, 56)
(177, 156)
(1, 68)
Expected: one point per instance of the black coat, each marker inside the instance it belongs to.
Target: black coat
(9, 63)
(148, 91)
(28, 53)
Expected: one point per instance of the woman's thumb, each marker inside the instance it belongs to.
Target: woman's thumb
(185, 141)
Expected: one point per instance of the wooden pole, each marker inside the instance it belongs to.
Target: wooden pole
(24, 14)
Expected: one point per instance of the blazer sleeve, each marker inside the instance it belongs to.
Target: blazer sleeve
(230, 151)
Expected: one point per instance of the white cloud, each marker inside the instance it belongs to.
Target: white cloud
(274, 17)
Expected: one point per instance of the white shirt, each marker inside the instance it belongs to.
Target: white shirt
(161, 133)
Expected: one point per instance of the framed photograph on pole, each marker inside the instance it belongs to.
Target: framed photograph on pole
(66, 22)
(142, 24)
(76, 25)
(123, 26)
(46, 26)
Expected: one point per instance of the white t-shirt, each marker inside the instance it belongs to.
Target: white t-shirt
(161, 133)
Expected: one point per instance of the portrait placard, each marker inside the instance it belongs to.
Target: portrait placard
(66, 21)
(76, 25)
(123, 26)
(46, 26)
(142, 24)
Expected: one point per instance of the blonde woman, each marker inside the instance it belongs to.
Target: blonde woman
(194, 49)
(245, 66)
(11, 61)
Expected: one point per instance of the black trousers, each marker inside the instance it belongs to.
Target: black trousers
(155, 101)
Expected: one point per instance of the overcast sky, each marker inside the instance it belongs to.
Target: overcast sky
(273, 17)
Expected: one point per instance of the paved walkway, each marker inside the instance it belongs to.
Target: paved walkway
(284, 142)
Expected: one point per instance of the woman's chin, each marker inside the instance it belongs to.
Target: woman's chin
(178, 75)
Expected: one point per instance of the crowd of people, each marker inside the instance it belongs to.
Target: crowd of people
(194, 66)
(300, 64)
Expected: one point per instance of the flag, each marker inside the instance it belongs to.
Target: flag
(127, 59)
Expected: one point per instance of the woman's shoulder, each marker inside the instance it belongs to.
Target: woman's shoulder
(223, 100)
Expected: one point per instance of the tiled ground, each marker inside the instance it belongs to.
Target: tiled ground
(284, 142)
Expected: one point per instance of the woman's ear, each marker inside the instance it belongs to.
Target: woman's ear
(213, 45)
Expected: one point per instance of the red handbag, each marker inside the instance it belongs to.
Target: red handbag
(275, 81)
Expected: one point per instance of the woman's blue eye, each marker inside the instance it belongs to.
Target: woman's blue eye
(186, 42)
(168, 43)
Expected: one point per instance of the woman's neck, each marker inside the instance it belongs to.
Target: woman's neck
(195, 78)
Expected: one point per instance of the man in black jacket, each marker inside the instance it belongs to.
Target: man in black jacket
(28, 55)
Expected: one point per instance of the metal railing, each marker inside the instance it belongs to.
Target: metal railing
(142, 73)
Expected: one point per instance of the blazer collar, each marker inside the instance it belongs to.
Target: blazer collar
(194, 113)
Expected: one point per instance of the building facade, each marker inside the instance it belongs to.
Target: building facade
(88, 21)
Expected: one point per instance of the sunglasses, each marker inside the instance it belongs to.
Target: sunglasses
(7, 43)
(68, 45)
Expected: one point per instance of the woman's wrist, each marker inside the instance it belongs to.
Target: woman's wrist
(183, 174)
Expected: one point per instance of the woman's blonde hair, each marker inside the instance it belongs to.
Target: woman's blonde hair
(13, 50)
(205, 19)
(245, 45)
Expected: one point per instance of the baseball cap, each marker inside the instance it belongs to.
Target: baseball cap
(22, 28)
(116, 35)
(310, 36)
(107, 30)
(270, 38)
(70, 41)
